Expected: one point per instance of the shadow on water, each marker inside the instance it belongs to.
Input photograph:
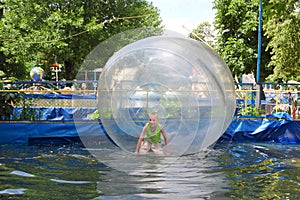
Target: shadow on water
(228, 171)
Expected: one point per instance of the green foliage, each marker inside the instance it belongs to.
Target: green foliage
(204, 33)
(106, 113)
(2, 73)
(172, 108)
(7, 100)
(283, 30)
(250, 110)
(93, 116)
(11, 96)
(237, 23)
(36, 30)
(29, 112)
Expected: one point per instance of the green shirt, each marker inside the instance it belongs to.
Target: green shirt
(153, 136)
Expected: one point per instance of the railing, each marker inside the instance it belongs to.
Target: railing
(250, 101)
(268, 102)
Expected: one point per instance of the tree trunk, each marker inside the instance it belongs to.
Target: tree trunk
(69, 73)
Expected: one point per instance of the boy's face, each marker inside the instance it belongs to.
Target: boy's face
(153, 120)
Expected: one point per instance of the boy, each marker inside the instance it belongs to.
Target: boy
(151, 137)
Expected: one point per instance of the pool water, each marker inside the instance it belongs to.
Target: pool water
(228, 171)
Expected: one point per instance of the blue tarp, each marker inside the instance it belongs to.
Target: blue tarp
(59, 123)
(278, 127)
(23, 132)
(57, 114)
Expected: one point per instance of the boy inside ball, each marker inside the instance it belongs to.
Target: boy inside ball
(150, 138)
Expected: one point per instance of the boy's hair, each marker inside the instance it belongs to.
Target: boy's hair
(153, 114)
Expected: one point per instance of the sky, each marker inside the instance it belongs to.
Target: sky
(188, 13)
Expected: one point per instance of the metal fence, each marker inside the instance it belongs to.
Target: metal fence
(268, 101)
(269, 98)
(61, 98)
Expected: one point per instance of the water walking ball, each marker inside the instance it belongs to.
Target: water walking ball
(184, 81)
(37, 74)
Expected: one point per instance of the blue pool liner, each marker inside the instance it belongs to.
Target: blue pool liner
(64, 124)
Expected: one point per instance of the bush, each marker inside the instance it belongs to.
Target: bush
(8, 99)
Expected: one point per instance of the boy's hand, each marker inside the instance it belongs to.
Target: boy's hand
(167, 153)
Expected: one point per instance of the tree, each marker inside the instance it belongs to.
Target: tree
(282, 28)
(236, 22)
(204, 33)
(35, 32)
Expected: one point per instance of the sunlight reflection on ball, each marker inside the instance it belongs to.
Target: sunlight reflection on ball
(183, 80)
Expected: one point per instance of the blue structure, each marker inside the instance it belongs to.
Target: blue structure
(57, 125)
(259, 42)
(275, 128)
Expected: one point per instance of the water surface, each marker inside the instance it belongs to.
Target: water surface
(229, 171)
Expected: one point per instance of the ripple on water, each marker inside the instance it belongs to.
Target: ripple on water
(21, 173)
(69, 182)
(13, 191)
(235, 171)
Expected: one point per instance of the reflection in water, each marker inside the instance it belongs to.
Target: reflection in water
(230, 171)
(261, 171)
(188, 176)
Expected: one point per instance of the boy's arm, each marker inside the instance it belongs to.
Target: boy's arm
(139, 143)
(166, 140)
(165, 136)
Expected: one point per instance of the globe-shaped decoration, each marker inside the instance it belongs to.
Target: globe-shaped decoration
(37, 74)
